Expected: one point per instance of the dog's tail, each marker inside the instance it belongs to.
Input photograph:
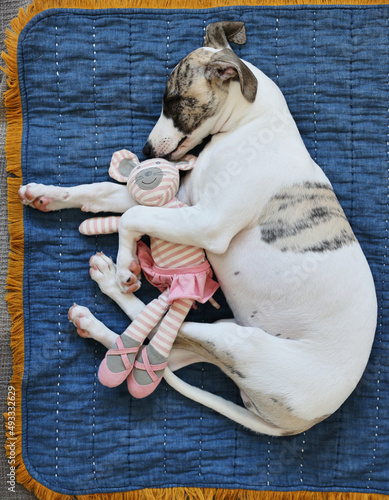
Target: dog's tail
(227, 408)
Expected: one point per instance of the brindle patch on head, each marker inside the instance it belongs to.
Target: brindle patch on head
(305, 218)
(199, 84)
(189, 97)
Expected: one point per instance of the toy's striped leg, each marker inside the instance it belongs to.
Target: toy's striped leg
(152, 360)
(119, 360)
(163, 340)
(148, 318)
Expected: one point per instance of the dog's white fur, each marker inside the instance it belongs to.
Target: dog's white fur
(304, 320)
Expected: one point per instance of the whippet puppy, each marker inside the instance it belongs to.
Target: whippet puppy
(285, 255)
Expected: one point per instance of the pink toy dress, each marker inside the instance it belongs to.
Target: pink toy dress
(181, 272)
(180, 269)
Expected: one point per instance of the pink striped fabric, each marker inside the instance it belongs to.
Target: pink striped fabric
(164, 192)
(167, 331)
(100, 225)
(148, 318)
(173, 255)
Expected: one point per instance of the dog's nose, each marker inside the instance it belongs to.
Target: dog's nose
(148, 150)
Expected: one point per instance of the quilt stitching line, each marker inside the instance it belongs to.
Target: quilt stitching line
(276, 47)
(314, 87)
(301, 471)
(352, 135)
(167, 49)
(381, 306)
(268, 463)
(201, 424)
(95, 352)
(59, 312)
(165, 433)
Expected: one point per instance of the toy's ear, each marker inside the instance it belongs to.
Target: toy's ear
(122, 164)
(187, 162)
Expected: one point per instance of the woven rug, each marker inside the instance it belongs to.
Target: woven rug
(87, 79)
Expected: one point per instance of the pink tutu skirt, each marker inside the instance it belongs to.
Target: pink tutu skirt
(194, 283)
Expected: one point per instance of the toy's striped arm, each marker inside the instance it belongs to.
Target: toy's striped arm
(100, 225)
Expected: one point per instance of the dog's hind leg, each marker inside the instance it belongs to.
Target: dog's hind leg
(249, 356)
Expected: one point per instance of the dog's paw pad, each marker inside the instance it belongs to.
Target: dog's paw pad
(127, 282)
(42, 203)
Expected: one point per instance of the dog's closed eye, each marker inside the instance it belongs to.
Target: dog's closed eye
(172, 98)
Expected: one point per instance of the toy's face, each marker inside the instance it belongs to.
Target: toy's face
(149, 178)
(154, 182)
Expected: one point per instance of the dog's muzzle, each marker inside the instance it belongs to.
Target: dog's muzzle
(150, 152)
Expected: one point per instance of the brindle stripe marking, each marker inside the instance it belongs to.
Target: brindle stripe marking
(305, 218)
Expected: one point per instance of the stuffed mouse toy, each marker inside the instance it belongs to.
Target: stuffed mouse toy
(181, 272)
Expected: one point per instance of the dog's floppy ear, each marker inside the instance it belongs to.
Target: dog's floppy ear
(225, 65)
(219, 34)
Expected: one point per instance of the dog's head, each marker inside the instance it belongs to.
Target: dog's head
(197, 91)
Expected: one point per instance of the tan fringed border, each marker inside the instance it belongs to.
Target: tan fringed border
(222, 494)
(15, 271)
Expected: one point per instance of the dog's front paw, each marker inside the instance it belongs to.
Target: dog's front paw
(127, 277)
(44, 198)
(103, 272)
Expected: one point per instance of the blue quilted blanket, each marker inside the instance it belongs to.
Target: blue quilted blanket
(91, 83)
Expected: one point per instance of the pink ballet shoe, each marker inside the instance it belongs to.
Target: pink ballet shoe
(141, 391)
(110, 378)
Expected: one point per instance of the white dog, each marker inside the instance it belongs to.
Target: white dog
(287, 260)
